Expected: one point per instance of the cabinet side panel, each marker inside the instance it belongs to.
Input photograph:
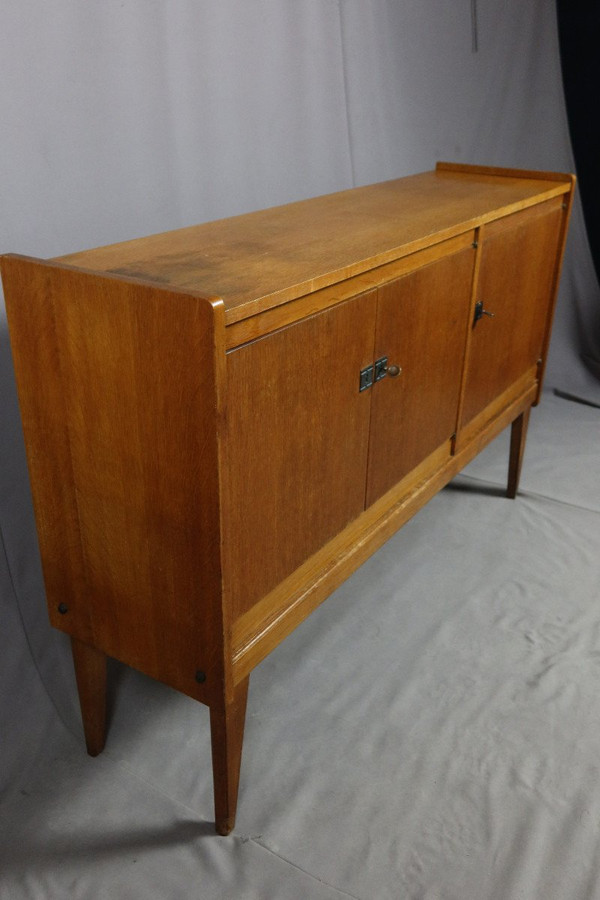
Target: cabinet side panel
(139, 412)
(35, 353)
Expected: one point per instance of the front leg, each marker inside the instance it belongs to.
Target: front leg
(518, 436)
(90, 672)
(227, 735)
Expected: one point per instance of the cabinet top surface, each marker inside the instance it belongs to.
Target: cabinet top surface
(261, 259)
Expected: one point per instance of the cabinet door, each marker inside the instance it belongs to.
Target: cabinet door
(297, 439)
(515, 284)
(422, 324)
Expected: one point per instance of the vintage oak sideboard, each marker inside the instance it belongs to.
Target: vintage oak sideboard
(224, 421)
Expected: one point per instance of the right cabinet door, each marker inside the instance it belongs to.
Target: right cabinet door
(515, 287)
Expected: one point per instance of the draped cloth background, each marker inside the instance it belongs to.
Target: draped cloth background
(129, 117)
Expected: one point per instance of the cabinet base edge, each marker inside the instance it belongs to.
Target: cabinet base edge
(266, 624)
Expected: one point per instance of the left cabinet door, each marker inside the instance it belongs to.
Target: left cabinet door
(296, 444)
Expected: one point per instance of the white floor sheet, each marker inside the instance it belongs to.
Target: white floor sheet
(432, 731)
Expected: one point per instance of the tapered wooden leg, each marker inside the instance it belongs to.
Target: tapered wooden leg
(227, 736)
(90, 672)
(518, 436)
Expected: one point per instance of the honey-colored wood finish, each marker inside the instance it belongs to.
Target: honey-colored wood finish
(263, 627)
(124, 460)
(260, 260)
(204, 468)
(259, 324)
(421, 327)
(515, 286)
(297, 443)
(37, 358)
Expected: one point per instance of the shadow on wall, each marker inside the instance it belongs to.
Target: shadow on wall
(17, 523)
(15, 499)
(19, 551)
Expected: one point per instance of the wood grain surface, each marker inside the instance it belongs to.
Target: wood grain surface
(421, 327)
(258, 260)
(297, 443)
(515, 284)
(119, 385)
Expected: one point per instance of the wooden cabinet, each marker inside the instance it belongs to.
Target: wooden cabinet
(223, 422)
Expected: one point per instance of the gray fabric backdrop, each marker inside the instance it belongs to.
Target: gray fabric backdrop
(125, 117)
